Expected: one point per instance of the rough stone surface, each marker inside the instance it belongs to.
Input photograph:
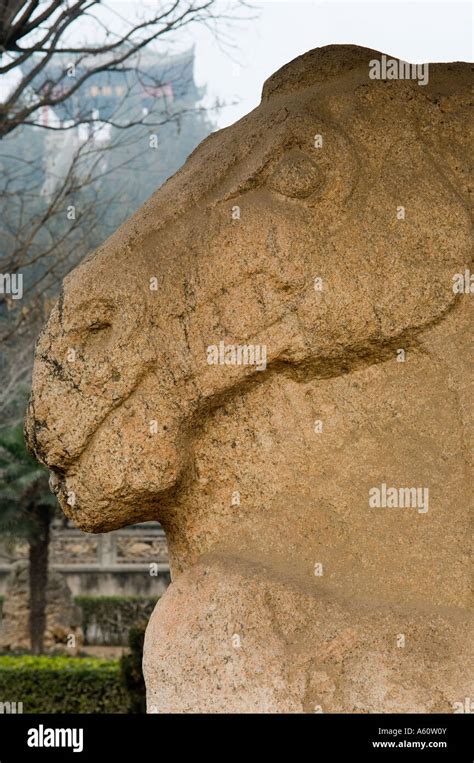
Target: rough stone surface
(290, 591)
(63, 617)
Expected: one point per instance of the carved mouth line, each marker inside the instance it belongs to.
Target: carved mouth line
(66, 468)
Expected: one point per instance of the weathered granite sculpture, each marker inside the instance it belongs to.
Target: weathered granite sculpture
(271, 359)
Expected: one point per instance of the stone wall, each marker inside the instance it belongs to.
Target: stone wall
(129, 562)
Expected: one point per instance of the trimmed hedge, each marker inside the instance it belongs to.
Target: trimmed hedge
(108, 619)
(63, 684)
(132, 672)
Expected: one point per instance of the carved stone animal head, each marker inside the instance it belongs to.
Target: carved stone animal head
(326, 226)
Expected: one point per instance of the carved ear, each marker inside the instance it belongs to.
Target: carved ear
(439, 113)
(448, 135)
(427, 236)
(389, 269)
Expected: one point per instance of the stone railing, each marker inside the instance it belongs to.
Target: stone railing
(124, 562)
(129, 546)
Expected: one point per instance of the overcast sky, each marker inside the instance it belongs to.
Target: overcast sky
(416, 30)
(283, 29)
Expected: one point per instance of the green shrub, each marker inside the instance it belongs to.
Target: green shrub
(63, 684)
(131, 670)
(108, 619)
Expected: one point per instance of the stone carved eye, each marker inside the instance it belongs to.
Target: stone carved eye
(296, 175)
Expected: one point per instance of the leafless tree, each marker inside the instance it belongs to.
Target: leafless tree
(44, 63)
(36, 34)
